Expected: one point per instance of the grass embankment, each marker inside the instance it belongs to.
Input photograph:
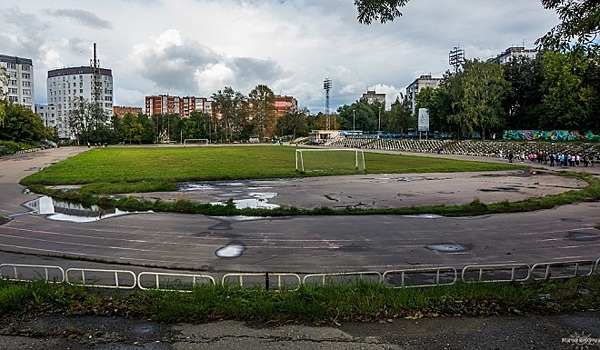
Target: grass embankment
(359, 301)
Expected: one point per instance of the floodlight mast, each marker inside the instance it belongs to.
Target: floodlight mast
(456, 57)
(327, 87)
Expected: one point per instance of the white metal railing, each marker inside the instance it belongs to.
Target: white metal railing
(561, 270)
(332, 277)
(266, 278)
(19, 271)
(423, 277)
(99, 278)
(436, 276)
(170, 281)
(489, 273)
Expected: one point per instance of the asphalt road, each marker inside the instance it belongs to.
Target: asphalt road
(304, 245)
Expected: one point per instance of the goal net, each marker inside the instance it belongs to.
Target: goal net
(195, 142)
(330, 160)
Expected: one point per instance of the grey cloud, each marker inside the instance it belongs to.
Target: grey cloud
(84, 17)
(172, 69)
(22, 33)
(256, 71)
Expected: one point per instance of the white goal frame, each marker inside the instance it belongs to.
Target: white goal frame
(357, 162)
(185, 142)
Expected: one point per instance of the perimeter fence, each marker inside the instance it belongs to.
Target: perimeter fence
(401, 278)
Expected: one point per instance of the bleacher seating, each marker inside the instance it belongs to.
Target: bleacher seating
(470, 147)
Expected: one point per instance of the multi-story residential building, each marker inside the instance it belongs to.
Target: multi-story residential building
(19, 88)
(513, 52)
(422, 82)
(372, 97)
(120, 111)
(182, 106)
(68, 86)
(48, 114)
(285, 104)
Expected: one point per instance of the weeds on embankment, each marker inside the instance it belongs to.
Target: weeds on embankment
(358, 301)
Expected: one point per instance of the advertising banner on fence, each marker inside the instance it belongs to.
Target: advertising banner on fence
(548, 135)
(423, 119)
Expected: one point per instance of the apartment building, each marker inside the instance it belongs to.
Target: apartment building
(285, 104)
(422, 82)
(48, 114)
(18, 84)
(372, 97)
(182, 106)
(513, 52)
(121, 111)
(68, 86)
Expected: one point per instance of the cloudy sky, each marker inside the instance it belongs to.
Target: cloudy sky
(196, 47)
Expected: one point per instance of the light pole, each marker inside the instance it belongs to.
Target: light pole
(379, 125)
(353, 119)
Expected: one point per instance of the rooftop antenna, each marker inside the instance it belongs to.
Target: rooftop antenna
(95, 64)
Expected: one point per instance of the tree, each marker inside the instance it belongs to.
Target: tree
(294, 123)
(359, 116)
(132, 129)
(482, 86)
(571, 89)
(382, 10)
(470, 99)
(523, 103)
(261, 104)
(85, 118)
(230, 109)
(4, 79)
(21, 124)
(440, 105)
(580, 21)
(400, 118)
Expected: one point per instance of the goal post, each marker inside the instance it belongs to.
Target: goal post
(195, 142)
(330, 160)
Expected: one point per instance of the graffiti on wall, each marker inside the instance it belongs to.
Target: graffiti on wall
(552, 135)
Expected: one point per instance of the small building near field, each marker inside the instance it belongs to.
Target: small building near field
(320, 137)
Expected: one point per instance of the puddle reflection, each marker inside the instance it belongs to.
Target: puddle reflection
(72, 212)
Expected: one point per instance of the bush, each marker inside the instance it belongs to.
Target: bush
(11, 147)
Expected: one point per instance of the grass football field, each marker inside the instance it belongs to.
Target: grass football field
(128, 166)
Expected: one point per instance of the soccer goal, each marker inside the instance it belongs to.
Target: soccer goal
(330, 160)
(195, 142)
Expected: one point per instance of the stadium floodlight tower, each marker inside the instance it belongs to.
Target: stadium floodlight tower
(327, 87)
(456, 57)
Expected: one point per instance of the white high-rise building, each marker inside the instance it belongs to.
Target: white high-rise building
(48, 114)
(20, 80)
(68, 86)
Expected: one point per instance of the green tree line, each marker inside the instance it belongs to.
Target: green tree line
(555, 90)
